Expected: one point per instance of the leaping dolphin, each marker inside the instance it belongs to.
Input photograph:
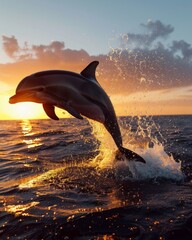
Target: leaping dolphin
(78, 94)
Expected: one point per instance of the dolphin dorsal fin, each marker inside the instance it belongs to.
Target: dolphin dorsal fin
(89, 71)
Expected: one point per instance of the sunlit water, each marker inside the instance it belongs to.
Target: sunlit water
(63, 180)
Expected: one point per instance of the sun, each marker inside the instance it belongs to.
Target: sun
(26, 111)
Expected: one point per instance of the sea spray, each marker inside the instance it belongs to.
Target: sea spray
(147, 141)
(162, 164)
(159, 165)
(107, 146)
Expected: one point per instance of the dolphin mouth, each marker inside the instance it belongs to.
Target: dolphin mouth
(12, 99)
(20, 97)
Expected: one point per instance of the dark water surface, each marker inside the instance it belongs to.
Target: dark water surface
(62, 180)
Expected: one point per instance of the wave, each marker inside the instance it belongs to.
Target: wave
(68, 182)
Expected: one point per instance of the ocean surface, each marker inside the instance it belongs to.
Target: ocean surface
(64, 180)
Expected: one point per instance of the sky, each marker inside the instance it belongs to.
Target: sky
(143, 46)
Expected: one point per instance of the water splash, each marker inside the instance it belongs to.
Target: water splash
(143, 136)
(159, 165)
(107, 148)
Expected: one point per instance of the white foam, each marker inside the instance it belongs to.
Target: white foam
(158, 163)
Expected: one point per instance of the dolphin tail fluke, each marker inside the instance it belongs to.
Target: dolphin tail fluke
(130, 155)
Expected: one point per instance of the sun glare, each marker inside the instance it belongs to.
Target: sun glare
(25, 111)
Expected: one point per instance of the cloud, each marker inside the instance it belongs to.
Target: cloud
(10, 45)
(148, 63)
(157, 29)
(28, 59)
(183, 47)
(53, 49)
(151, 69)
(153, 31)
(143, 62)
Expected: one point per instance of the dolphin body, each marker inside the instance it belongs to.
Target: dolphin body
(78, 94)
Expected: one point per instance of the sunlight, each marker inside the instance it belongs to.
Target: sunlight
(25, 111)
(20, 209)
(28, 131)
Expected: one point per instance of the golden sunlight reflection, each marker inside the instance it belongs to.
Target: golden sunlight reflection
(112, 199)
(27, 131)
(19, 210)
(26, 127)
(39, 180)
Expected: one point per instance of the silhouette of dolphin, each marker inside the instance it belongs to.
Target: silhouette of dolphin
(78, 94)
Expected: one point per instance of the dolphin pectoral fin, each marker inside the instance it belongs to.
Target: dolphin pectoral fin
(50, 111)
(71, 110)
(130, 155)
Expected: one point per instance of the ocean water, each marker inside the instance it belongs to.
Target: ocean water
(64, 180)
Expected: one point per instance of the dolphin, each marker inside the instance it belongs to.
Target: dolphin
(79, 94)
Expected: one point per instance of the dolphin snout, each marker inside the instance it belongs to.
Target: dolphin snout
(23, 96)
(12, 99)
